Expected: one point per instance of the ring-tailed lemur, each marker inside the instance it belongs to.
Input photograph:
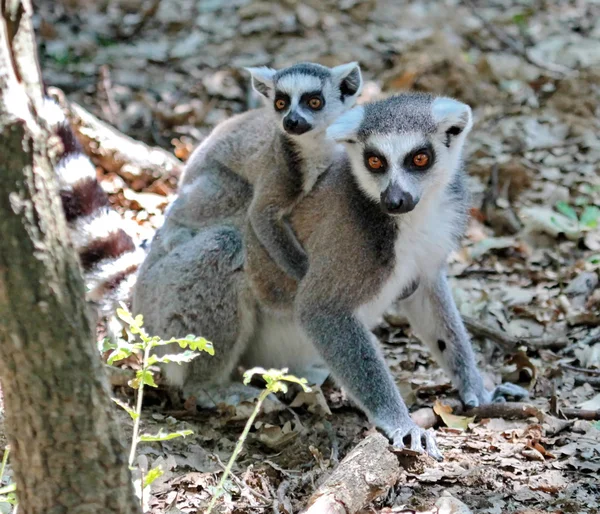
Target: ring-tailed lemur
(108, 254)
(379, 224)
(281, 150)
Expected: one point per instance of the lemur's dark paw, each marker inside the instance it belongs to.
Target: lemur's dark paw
(421, 440)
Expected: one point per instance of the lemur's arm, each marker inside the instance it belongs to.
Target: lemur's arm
(435, 319)
(273, 197)
(351, 352)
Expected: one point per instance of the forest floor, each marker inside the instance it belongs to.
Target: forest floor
(527, 270)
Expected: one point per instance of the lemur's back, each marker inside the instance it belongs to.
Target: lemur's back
(243, 144)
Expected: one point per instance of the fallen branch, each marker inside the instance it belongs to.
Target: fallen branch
(510, 343)
(115, 152)
(119, 377)
(507, 410)
(368, 471)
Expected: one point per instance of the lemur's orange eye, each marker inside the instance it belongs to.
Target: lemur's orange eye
(315, 103)
(375, 162)
(280, 104)
(420, 160)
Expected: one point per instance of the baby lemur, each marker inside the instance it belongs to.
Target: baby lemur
(281, 150)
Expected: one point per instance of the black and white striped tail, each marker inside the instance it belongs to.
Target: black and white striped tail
(108, 254)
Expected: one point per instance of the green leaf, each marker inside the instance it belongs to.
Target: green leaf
(134, 415)
(164, 436)
(10, 488)
(178, 358)
(589, 216)
(145, 376)
(107, 344)
(118, 354)
(567, 210)
(152, 475)
(194, 343)
(275, 379)
(594, 259)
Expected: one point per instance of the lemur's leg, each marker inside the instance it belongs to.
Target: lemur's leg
(349, 349)
(196, 288)
(434, 317)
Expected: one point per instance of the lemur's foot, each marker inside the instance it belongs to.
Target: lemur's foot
(472, 398)
(421, 440)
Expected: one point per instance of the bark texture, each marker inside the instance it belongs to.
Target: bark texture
(67, 453)
(367, 472)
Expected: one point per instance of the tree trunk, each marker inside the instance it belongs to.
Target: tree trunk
(67, 453)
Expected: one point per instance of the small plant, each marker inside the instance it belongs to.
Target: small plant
(145, 377)
(8, 495)
(275, 382)
(588, 219)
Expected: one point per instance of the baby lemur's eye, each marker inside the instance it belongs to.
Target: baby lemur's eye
(315, 103)
(280, 104)
(421, 160)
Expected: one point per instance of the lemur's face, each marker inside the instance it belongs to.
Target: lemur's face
(405, 147)
(307, 98)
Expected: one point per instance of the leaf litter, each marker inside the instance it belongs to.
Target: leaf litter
(533, 236)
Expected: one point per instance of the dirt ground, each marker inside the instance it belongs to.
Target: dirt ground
(165, 72)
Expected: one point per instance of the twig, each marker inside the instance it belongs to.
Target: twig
(589, 415)
(581, 380)
(510, 343)
(507, 410)
(240, 483)
(113, 110)
(145, 17)
(556, 70)
(589, 371)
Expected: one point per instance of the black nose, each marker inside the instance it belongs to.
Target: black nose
(397, 201)
(295, 124)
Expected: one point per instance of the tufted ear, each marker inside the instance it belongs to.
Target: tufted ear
(262, 79)
(452, 117)
(345, 128)
(349, 80)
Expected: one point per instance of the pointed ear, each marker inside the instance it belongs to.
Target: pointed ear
(345, 128)
(452, 117)
(349, 79)
(262, 79)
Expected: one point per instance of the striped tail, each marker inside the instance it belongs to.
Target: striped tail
(108, 254)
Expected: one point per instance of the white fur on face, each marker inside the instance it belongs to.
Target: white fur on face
(395, 147)
(297, 84)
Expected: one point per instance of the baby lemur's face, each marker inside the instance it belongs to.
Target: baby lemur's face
(306, 98)
(405, 147)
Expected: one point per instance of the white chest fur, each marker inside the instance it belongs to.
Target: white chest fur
(425, 238)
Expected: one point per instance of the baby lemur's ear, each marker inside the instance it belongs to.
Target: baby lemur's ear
(452, 118)
(345, 128)
(349, 79)
(262, 79)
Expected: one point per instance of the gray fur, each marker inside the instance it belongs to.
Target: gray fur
(360, 259)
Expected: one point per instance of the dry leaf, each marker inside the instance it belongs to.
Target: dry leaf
(451, 420)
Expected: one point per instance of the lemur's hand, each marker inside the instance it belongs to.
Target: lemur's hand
(420, 439)
(476, 396)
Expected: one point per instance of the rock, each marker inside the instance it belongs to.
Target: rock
(222, 83)
(307, 16)
(189, 46)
